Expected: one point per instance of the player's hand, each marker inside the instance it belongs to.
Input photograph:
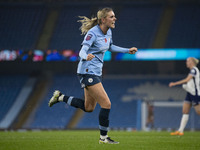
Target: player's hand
(90, 57)
(171, 84)
(133, 50)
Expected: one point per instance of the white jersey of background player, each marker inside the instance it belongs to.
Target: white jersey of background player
(193, 85)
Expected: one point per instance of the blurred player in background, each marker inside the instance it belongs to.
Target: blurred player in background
(97, 41)
(150, 116)
(192, 85)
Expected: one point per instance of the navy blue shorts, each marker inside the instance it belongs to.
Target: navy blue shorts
(194, 100)
(88, 79)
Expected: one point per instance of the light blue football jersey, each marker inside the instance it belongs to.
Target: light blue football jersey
(98, 43)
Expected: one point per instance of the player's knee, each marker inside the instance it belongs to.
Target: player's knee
(89, 109)
(107, 105)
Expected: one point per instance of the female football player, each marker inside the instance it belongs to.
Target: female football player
(192, 85)
(97, 41)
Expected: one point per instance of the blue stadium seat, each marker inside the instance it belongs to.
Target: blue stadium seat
(60, 114)
(185, 31)
(21, 25)
(10, 87)
(137, 25)
(67, 34)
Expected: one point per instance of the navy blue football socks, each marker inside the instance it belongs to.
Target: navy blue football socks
(75, 102)
(104, 121)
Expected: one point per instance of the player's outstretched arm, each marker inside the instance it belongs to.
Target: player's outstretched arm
(114, 48)
(171, 84)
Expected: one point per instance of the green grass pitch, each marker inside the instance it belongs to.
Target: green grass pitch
(88, 140)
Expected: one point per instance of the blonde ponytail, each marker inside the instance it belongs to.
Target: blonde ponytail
(88, 23)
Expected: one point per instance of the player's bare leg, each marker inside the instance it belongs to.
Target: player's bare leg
(99, 94)
(184, 119)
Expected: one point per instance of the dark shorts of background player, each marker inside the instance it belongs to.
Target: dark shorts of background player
(88, 79)
(194, 100)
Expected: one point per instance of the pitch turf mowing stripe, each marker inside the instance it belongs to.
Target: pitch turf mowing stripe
(88, 140)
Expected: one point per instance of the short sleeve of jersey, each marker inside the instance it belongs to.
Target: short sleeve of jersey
(89, 39)
(192, 72)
